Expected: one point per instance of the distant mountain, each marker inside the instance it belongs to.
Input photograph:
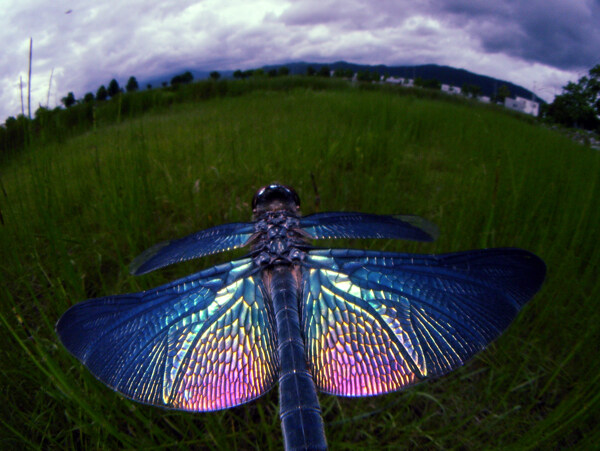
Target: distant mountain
(444, 74)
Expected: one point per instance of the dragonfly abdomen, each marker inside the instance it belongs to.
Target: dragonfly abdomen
(299, 407)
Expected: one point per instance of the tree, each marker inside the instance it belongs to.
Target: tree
(113, 88)
(283, 71)
(573, 108)
(184, 78)
(310, 71)
(15, 132)
(471, 90)
(272, 73)
(431, 83)
(88, 98)
(69, 100)
(214, 75)
(343, 73)
(502, 94)
(41, 113)
(579, 103)
(367, 76)
(593, 87)
(187, 77)
(102, 93)
(132, 85)
(238, 74)
(324, 71)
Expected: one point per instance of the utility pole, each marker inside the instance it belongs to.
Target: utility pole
(49, 88)
(21, 88)
(29, 82)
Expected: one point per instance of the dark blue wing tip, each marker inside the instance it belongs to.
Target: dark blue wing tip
(535, 271)
(423, 229)
(143, 263)
(66, 332)
(59, 327)
(529, 271)
(138, 270)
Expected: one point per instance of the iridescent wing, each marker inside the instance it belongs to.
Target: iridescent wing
(376, 322)
(204, 342)
(362, 225)
(210, 241)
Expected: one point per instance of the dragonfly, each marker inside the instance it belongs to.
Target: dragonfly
(345, 322)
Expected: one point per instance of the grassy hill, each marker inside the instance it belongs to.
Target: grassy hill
(76, 211)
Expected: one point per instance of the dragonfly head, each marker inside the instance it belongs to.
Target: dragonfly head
(275, 197)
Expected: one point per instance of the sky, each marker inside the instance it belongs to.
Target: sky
(79, 45)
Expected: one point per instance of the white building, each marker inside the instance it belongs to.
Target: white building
(449, 89)
(408, 82)
(522, 105)
(394, 80)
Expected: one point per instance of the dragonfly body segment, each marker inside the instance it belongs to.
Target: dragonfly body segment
(342, 321)
(299, 407)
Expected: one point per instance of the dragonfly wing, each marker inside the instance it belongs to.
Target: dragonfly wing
(376, 322)
(362, 225)
(210, 241)
(201, 343)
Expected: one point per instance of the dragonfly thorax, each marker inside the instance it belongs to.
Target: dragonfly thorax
(278, 238)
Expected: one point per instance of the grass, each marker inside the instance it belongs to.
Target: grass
(76, 213)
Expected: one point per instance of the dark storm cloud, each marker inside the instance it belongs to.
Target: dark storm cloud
(559, 33)
(314, 13)
(347, 15)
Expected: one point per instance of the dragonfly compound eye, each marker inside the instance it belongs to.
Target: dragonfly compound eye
(275, 197)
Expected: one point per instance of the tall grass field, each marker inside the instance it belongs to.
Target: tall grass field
(77, 211)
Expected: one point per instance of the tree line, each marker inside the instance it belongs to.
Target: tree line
(578, 105)
(104, 93)
(17, 132)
